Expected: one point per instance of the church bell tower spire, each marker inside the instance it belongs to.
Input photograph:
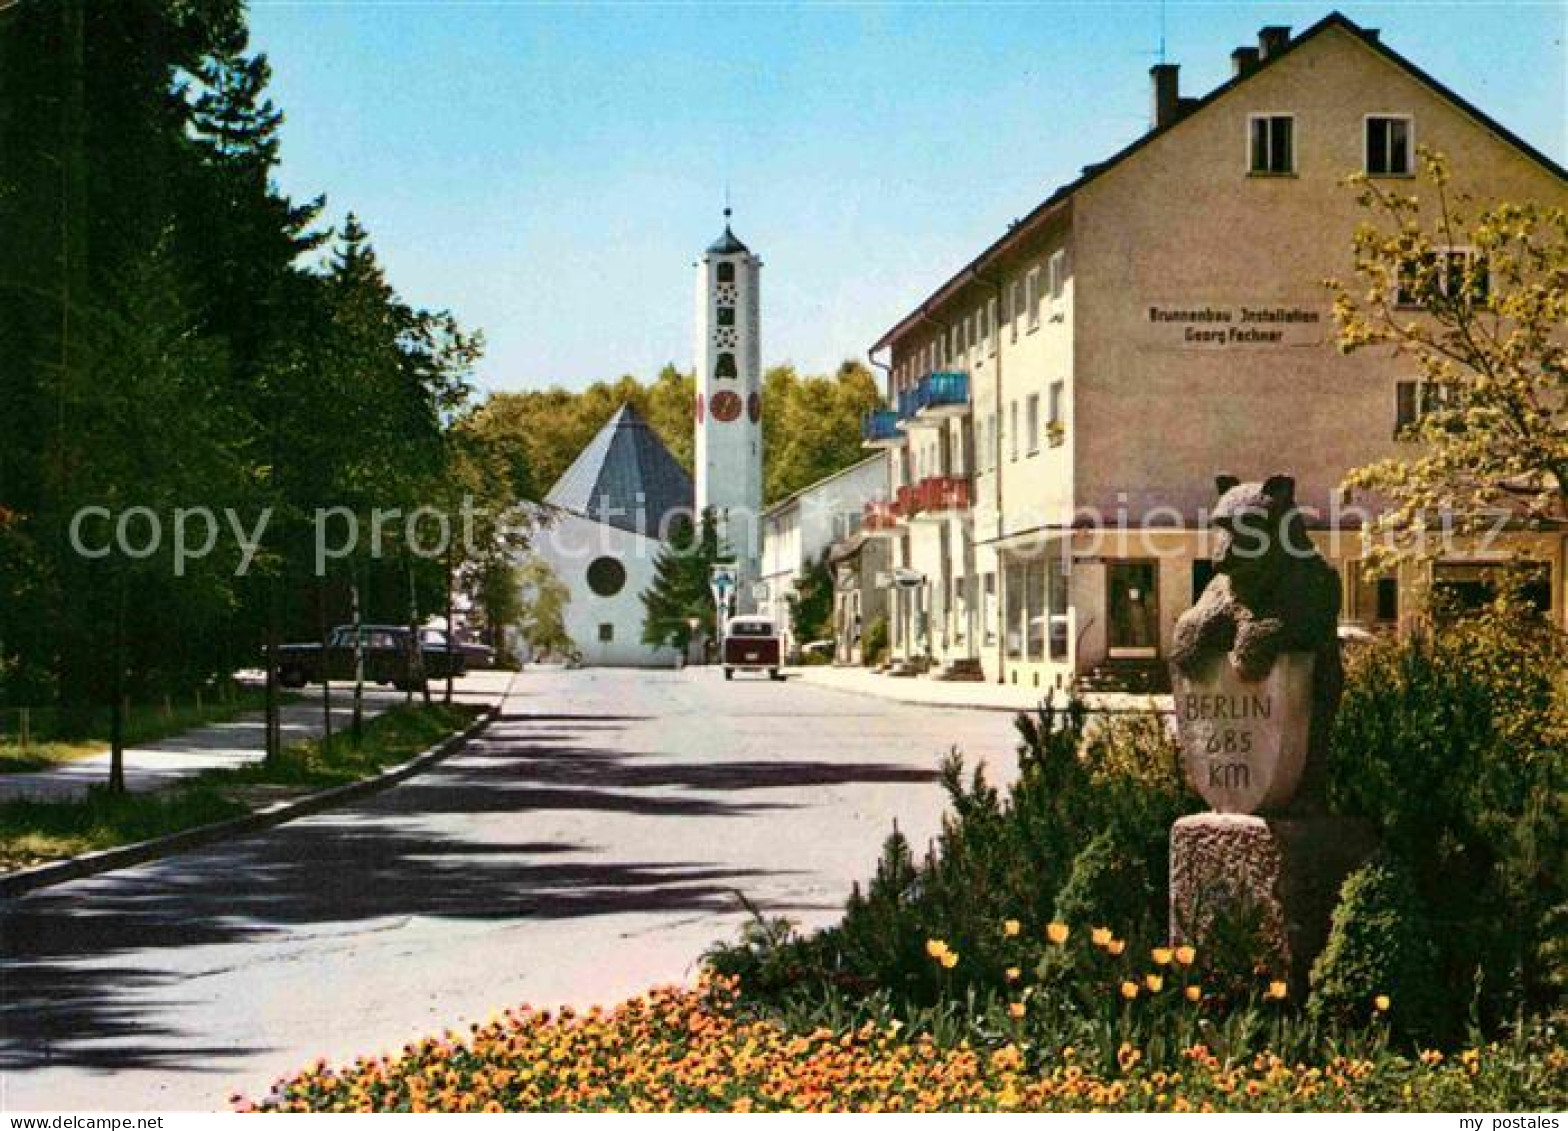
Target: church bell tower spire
(728, 408)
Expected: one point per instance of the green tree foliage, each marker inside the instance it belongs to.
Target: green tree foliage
(811, 607)
(680, 591)
(1455, 745)
(1484, 331)
(1380, 945)
(170, 343)
(542, 606)
(811, 425)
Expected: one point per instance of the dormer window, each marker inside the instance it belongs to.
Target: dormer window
(1272, 141)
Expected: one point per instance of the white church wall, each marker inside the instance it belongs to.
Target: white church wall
(571, 544)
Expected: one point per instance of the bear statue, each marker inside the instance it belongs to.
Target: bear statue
(1271, 592)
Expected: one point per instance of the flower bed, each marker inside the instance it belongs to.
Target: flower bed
(694, 1050)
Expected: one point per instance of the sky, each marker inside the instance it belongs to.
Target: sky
(550, 171)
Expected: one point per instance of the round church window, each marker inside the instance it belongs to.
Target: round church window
(606, 576)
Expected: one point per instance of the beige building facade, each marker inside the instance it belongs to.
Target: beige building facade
(1061, 407)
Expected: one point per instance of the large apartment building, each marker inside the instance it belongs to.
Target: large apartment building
(1157, 322)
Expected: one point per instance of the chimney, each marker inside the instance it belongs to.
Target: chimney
(1167, 93)
(1243, 60)
(1272, 40)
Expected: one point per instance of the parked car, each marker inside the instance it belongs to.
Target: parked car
(751, 644)
(475, 655)
(387, 657)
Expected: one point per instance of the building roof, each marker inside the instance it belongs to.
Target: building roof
(1058, 199)
(728, 244)
(625, 478)
(795, 496)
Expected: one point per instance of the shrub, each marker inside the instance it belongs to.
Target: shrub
(1455, 744)
(874, 645)
(1380, 955)
(1091, 802)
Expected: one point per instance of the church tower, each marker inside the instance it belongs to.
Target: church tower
(729, 399)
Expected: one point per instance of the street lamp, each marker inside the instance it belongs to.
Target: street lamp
(693, 624)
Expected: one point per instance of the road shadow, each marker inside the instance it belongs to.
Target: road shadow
(89, 973)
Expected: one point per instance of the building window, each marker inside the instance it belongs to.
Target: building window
(725, 366)
(1013, 596)
(988, 613)
(726, 315)
(1032, 422)
(726, 272)
(1056, 604)
(1387, 599)
(1273, 144)
(1389, 152)
(1056, 422)
(1034, 609)
(993, 328)
(1057, 278)
(1414, 400)
(1448, 274)
(1032, 286)
(1012, 430)
(606, 632)
(606, 576)
(1018, 307)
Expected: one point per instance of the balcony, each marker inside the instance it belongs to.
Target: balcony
(945, 394)
(881, 517)
(937, 496)
(933, 399)
(879, 429)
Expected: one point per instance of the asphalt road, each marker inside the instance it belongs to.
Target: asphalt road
(590, 844)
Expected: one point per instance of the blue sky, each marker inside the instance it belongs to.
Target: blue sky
(550, 171)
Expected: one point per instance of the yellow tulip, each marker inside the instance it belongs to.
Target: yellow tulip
(1115, 946)
(1100, 936)
(1057, 933)
(1277, 991)
(1161, 955)
(948, 960)
(1129, 990)
(1154, 982)
(1013, 973)
(1016, 1010)
(1194, 993)
(1186, 955)
(1011, 928)
(1381, 1003)
(936, 948)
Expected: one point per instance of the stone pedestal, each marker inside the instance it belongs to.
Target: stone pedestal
(1289, 868)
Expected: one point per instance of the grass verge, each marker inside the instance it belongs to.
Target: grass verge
(35, 832)
(48, 745)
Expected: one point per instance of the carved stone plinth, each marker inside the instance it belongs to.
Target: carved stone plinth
(1289, 868)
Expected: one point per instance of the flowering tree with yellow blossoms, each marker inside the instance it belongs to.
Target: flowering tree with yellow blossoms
(1478, 302)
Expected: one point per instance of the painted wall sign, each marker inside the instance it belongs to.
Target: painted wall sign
(1235, 325)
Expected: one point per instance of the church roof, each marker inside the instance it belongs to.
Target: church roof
(625, 477)
(728, 244)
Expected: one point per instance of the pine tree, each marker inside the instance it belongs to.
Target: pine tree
(680, 591)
